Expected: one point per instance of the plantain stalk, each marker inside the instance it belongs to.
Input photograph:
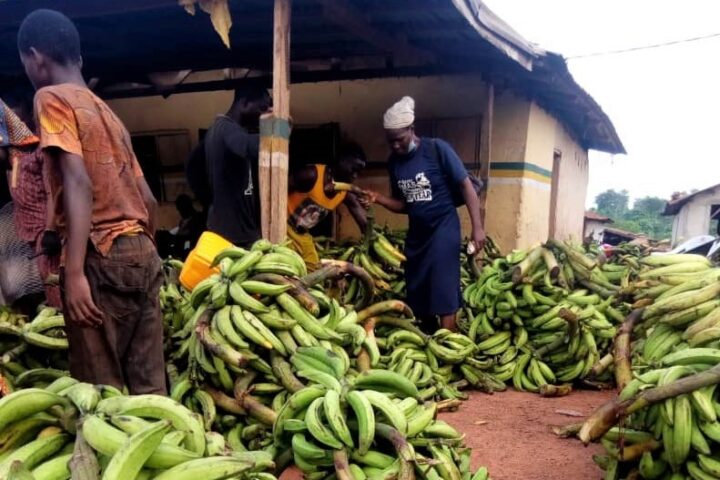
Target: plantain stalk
(601, 365)
(610, 413)
(622, 351)
(225, 402)
(451, 404)
(336, 269)
(567, 431)
(342, 465)
(253, 406)
(83, 463)
(550, 262)
(549, 390)
(298, 290)
(524, 267)
(385, 307)
(363, 360)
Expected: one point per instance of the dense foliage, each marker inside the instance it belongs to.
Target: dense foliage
(645, 216)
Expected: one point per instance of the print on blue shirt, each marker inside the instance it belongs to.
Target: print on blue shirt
(417, 190)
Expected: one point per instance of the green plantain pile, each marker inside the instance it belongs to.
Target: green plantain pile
(31, 348)
(266, 370)
(379, 253)
(547, 315)
(261, 345)
(70, 428)
(667, 412)
(368, 425)
(441, 365)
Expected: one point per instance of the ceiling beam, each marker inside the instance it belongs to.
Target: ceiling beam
(14, 11)
(297, 77)
(344, 14)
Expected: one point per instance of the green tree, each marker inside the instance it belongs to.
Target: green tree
(650, 205)
(612, 204)
(644, 217)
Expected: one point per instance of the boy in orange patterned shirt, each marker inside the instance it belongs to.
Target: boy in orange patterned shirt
(104, 213)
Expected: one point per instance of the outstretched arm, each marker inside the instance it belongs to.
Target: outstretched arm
(357, 211)
(393, 204)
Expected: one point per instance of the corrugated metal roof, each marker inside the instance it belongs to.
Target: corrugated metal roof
(674, 206)
(125, 40)
(594, 216)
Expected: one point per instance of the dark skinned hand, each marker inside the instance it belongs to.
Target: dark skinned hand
(81, 308)
(478, 239)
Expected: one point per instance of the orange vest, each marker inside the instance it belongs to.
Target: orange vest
(307, 209)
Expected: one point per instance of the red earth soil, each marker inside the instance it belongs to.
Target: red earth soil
(511, 434)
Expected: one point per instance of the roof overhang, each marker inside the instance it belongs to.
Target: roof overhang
(127, 41)
(674, 206)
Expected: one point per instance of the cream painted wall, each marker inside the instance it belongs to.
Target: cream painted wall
(505, 203)
(574, 177)
(518, 210)
(534, 222)
(541, 139)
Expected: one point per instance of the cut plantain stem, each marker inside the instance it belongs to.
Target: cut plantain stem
(612, 412)
(622, 352)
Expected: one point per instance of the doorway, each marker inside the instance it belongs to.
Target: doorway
(315, 144)
(554, 193)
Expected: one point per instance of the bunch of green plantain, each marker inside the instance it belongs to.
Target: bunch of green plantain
(368, 425)
(677, 336)
(678, 437)
(254, 307)
(380, 254)
(547, 315)
(88, 431)
(30, 347)
(441, 365)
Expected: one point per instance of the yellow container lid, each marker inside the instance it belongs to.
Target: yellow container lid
(197, 265)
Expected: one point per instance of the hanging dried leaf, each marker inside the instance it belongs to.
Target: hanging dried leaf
(220, 17)
(188, 5)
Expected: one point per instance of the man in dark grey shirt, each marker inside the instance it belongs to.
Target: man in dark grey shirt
(231, 158)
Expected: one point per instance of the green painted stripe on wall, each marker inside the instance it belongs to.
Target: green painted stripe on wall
(531, 167)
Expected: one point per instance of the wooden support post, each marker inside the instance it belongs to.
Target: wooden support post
(486, 145)
(275, 133)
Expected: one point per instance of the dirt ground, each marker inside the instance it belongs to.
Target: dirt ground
(511, 434)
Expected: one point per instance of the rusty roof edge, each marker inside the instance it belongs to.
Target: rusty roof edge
(499, 34)
(672, 207)
(554, 63)
(538, 61)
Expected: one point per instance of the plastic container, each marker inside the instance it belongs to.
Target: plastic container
(197, 265)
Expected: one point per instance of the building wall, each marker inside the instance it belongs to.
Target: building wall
(594, 229)
(505, 201)
(357, 106)
(524, 138)
(694, 217)
(572, 192)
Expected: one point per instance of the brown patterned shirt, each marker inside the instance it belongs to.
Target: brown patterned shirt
(76, 121)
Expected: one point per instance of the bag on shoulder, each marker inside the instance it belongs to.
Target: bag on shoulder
(455, 190)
